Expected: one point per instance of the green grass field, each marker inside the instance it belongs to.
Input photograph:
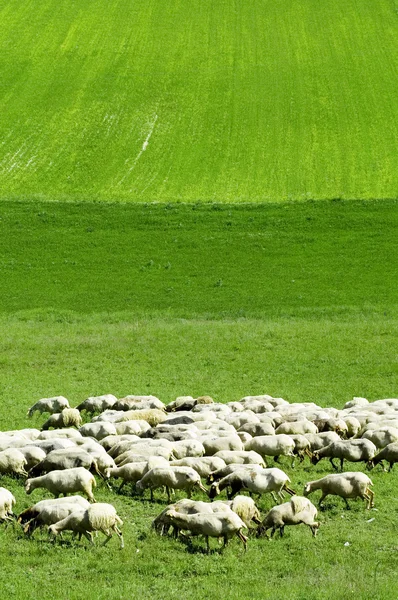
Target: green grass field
(296, 300)
(198, 100)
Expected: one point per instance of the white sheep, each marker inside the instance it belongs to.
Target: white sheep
(7, 501)
(389, 454)
(48, 513)
(98, 430)
(263, 481)
(297, 510)
(97, 403)
(301, 427)
(69, 417)
(224, 524)
(176, 478)
(213, 445)
(12, 461)
(272, 445)
(204, 465)
(244, 457)
(98, 517)
(345, 485)
(352, 450)
(64, 482)
(50, 405)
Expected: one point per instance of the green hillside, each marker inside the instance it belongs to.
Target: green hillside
(185, 100)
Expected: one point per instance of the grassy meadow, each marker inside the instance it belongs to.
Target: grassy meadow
(296, 300)
(227, 100)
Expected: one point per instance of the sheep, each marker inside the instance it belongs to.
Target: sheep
(321, 440)
(138, 403)
(7, 501)
(66, 433)
(184, 403)
(65, 459)
(382, 437)
(231, 442)
(33, 456)
(97, 403)
(48, 514)
(301, 427)
(69, 417)
(153, 416)
(245, 508)
(136, 427)
(352, 450)
(345, 485)
(53, 444)
(64, 482)
(244, 457)
(132, 455)
(12, 461)
(50, 405)
(185, 448)
(210, 525)
(388, 453)
(129, 473)
(228, 469)
(178, 478)
(302, 447)
(204, 465)
(297, 510)
(29, 513)
(98, 430)
(272, 445)
(98, 517)
(162, 523)
(259, 482)
(257, 429)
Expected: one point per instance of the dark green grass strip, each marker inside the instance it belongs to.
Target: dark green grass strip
(211, 261)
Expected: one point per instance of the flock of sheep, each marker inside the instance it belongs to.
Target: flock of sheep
(142, 442)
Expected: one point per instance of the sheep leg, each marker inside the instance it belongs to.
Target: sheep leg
(276, 458)
(346, 503)
(289, 490)
(391, 466)
(208, 544)
(341, 464)
(333, 465)
(89, 536)
(108, 536)
(121, 486)
(371, 499)
(169, 497)
(314, 528)
(281, 530)
(324, 494)
(274, 497)
(243, 539)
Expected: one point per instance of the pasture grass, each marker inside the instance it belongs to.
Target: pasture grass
(198, 100)
(87, 309)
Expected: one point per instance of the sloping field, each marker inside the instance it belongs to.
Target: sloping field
(297, 300)
(223, 100)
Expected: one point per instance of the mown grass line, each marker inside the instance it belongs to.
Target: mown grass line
(223, 101)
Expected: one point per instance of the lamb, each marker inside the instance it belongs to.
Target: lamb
(12, 461)
(64, 482)
(345, 485)
(69, 417)
(389, 453)
(297, 510)
(352, 450)
(50, 405)
(97, 403)
(7, 502)
(210, 525)
(98, 517)
(262, 481)
(177, 478)
(65, 459)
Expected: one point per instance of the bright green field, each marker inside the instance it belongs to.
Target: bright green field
(186, 100)
(296, 300)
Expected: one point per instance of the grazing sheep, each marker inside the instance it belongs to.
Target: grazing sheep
(214, 445)
(69, 417)
(176, 478)
(162, 522)
(12, 461)
(33, 456)
(69, 458)
(185, 448)
(129, 473)
(50, 405)
(332, 424)
(259, 482)
(382, 437)
(95, 404)
(295, 427)
(98, 430)
(7, 502)
(272, 445)
(138, 403)
(389, 454)
(351, 450)
(64, 482)
(228, 469)
(98, 517)
(153, 416)
(204, 465)
(321, 440)
(48, 514)
(297, 510)
(345, 485)
(210, 525)
(245, 508)
(66, 433)
(244, 457)
(257, 429)
(134, 427)
(187, 403)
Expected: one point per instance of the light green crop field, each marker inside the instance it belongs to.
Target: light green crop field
(295, 300)
(221, 100)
